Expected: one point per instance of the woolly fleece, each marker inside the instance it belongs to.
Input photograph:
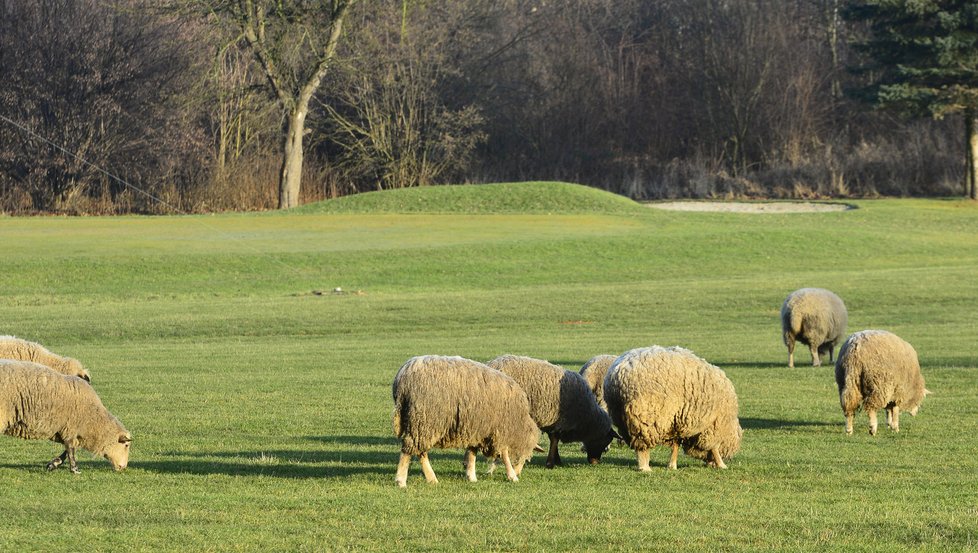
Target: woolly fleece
(594, 372)
(815, 317)
(37, 403)
(561, 403)
(448, 402)
(669, 395)
(878, 370)
(12, 347)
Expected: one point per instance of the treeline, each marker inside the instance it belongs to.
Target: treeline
(137, 106)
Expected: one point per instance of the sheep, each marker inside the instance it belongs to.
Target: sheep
(669, 395)
(12, 347)
(561, 404)
(878, 369)
(38, 403)
(815, 317)
(447, 402)
(594, 371)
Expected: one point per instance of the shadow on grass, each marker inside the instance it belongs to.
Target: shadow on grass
(342, 461)
(357, 440)
(284, 469)
(767, 365)
(777, 424)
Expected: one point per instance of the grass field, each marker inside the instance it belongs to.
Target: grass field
(260, 401)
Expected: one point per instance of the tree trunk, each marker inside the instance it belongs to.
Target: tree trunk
(971, 128)
(291, 180)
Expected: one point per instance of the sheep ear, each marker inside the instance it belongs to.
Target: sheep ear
(927, 392)
(539, 449)
(615, 435)
(125, 438)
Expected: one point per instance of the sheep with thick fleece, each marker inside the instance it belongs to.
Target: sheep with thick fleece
(815, 317)
(878, 370)
(12, 347)
(594, 371)
(38, 403)
(447, 402)
(669, 395)
(561, 404)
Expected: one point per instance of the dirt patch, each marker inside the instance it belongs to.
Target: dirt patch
(752, 207)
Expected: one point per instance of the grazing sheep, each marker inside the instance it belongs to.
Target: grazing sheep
(594, 371)
(449, 402)
(668, 395)
(816, 318)
(12, 347)
(37, 403)
(878, 370)
(561, 404)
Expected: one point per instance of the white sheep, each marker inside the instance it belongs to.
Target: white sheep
(561, 404)
(815, 317)
(594, 371)
(878, 370)
(447, 402)
(669, 395)
(12, 347)
(37, 403)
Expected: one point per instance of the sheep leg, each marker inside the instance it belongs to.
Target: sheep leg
(519, 467)
(717, 460)
(849, 423)
(402, 470)
(872, 421)
(72, 463)
(469, 463)
(429, 473)
(643, 460)
(553, 458)
(893, 418)
(789, 340)
(675, 456)
(56, 462)
(816, 358)
(510, 471)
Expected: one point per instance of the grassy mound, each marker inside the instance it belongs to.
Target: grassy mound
(517, 197)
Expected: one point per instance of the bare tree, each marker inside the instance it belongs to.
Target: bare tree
(294, 42)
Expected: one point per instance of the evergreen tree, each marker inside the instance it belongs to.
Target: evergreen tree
(921, 57)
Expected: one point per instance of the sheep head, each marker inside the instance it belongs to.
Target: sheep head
(118, 453)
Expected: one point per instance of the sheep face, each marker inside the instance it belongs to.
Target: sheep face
(76, 369)
(118, 453)
(595, 448)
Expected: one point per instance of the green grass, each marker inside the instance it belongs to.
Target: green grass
(260, 401)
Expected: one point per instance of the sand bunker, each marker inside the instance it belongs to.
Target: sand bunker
(751, 207)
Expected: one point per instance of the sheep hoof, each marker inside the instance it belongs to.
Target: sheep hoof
(75, 471)
(401, 483)
(52, 465)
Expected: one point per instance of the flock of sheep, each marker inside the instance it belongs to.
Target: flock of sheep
(652, 395)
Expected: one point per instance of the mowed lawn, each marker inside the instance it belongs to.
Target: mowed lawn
(260, 403)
